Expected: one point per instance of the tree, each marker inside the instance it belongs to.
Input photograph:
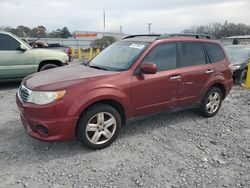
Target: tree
(55, 33)
(220, 30)
(64, 33)
(60, 33)
(38, 32)
(103, 42)
(23, 30)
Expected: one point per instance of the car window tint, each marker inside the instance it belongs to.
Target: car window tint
(192, 54)
(8, 43)
(164, 56)
(215, 52)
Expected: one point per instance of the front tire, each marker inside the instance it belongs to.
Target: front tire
(243, 77)
(211, 102)
(98, 126)
(48, 66)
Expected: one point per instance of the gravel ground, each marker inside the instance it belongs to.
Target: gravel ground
(180, 149)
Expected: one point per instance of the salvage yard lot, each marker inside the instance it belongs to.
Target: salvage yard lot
(180, 149)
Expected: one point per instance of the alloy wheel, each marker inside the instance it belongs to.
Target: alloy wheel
(101, 128)
(213, 102)
(243, 78)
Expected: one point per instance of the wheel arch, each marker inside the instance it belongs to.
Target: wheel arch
(55, 62)
(219, 85)
(216, 81)
(106, 95)
(111, 102)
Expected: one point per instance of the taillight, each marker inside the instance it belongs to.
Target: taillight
(69, 51)
(230, 66)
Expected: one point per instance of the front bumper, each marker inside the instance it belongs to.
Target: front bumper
(237, 72)
(229, 86)
(60, 126)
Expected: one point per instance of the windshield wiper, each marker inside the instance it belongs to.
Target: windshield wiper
(97, 67)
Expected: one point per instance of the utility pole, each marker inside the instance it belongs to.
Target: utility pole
(120, 29)
(104, 22)
(149, 28)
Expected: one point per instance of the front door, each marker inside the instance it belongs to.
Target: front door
(13, 61)
(155, 92)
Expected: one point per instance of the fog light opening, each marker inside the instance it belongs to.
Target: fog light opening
(42, 130)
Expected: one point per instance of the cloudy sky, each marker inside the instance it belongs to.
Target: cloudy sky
(132, 15)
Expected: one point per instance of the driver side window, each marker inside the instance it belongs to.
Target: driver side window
(164, 56)
(8, 43)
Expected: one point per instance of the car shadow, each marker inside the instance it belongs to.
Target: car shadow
(39, 151)
(9, 85)
(159, 120)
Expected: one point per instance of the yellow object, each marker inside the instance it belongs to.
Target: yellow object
(247, 85)
(97, 51)
(72, 52)
(90, 53)
(79, 53)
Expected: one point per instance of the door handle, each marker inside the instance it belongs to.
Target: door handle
(209, 71)
(175, 77)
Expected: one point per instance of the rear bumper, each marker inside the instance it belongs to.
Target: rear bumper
(58, 129)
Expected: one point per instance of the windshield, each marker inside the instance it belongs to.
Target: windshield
(23, 41)
(118, 56)
(238, 55)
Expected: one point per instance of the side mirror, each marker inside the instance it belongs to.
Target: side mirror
(148, 68)
(22, 48)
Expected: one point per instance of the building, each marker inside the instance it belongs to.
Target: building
(92, 35)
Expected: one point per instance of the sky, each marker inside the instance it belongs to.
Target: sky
(133, 16)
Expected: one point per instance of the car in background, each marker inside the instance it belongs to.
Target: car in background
(239, 56)
(136, 76)
(39, 43)
(18, 59)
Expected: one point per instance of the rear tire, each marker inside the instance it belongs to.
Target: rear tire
(211, 102)
(48, 66)
(98, 126)
(243, 77)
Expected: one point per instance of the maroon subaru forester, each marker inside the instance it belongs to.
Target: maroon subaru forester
(136, 76)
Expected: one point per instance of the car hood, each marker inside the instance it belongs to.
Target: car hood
(63, 77)
(47, 52)
(238, 61)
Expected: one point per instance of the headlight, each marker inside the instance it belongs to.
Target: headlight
(67, 60)
(41, 97)
(236, 67)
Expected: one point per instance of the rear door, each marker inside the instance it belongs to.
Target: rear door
(218, 60)
(155, 92)
(195, 70)
(14, 62)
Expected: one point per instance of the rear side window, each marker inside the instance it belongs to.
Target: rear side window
(215, 52)
(192, 54)
(8, 43)
(164, 56)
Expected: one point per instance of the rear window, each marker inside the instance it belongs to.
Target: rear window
(192, 54)
(215, 52)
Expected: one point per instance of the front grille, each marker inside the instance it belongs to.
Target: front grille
(24, 93)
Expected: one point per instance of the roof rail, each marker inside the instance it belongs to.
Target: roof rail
(142, 35)
(198, 36)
